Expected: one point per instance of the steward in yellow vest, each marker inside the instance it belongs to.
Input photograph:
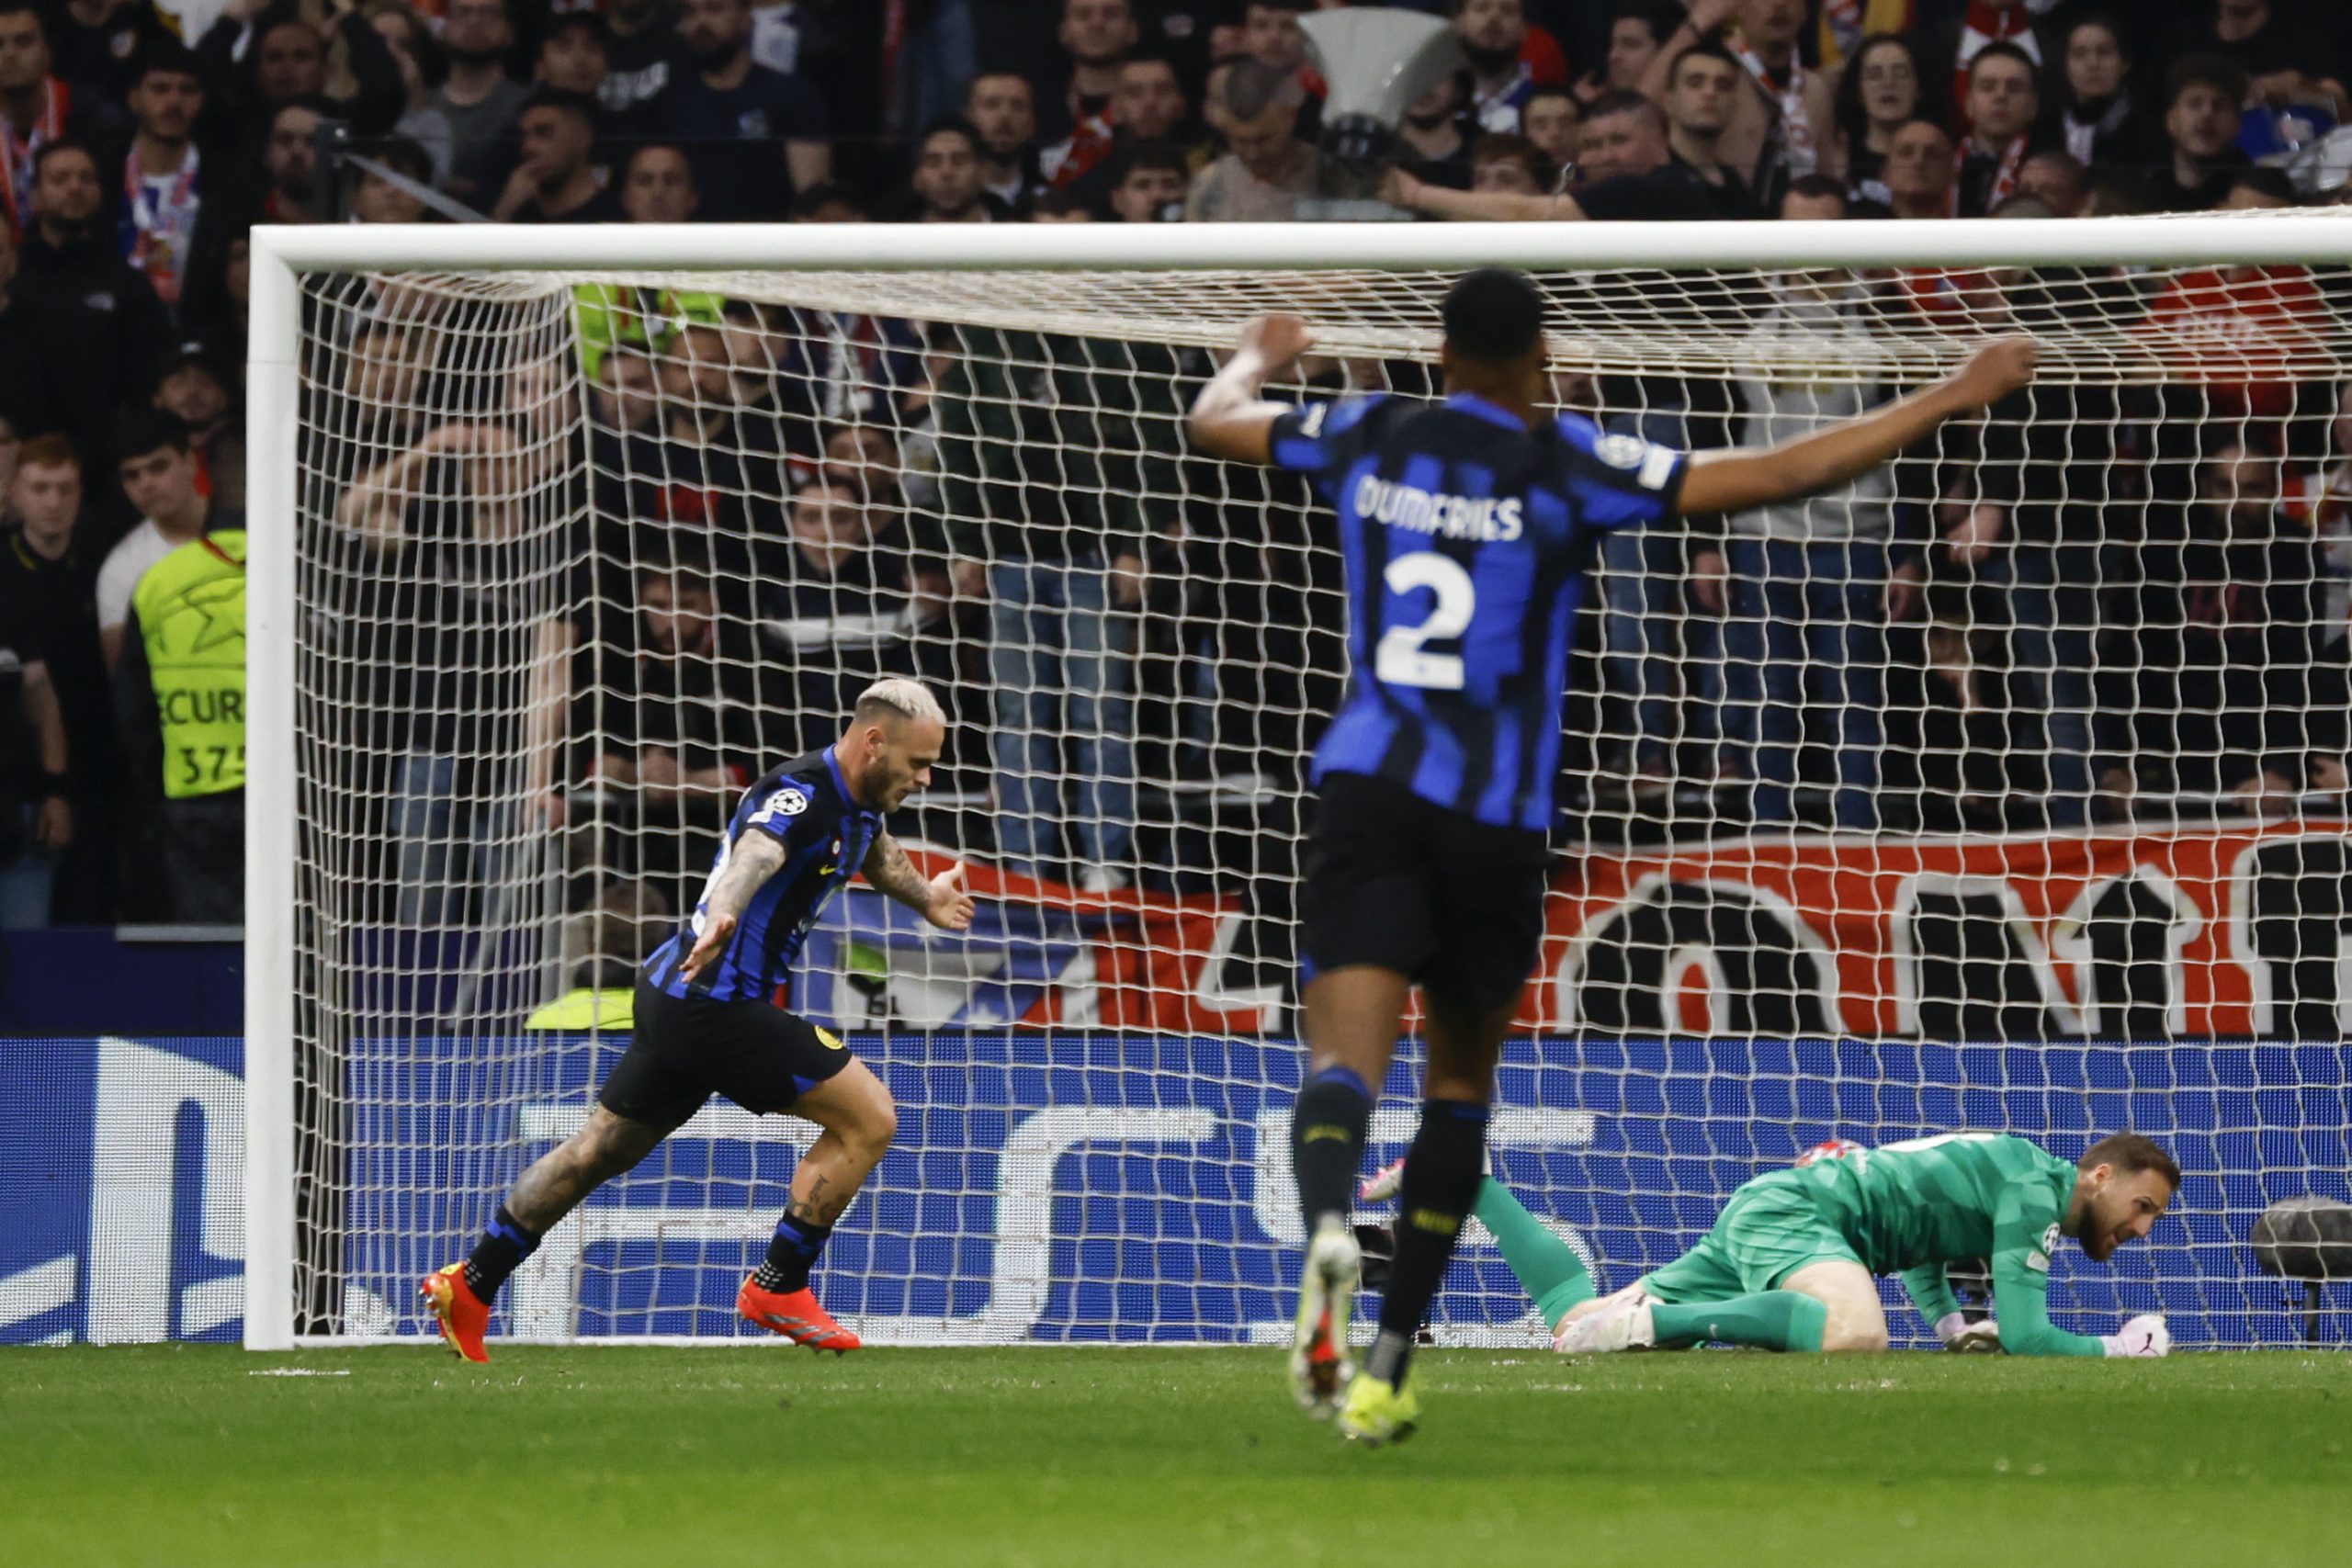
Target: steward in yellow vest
(182, 685)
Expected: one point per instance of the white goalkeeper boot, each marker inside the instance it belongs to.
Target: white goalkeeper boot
(1621, 1323)
(1320, 1366)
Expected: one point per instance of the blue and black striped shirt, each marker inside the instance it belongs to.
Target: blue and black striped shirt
(1466, 535)
(806, 806)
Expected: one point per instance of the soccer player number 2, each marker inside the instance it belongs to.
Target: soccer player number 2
(1400, 660)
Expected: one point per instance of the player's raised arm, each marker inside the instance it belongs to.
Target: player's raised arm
(943, 900)
(1230, 418)
(753, 858)
(1741, 478)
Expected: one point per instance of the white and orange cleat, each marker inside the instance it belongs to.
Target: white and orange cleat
(464, 1317)
(796, 1315)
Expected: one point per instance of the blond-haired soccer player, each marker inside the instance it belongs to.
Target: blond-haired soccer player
(711, 1019)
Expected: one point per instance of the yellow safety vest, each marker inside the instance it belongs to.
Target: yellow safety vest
(191, 608)
(586, 1008)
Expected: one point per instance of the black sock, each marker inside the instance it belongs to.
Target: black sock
(1442, 1174)
(497, 1254)
(1327, 1130)
(792, 1255)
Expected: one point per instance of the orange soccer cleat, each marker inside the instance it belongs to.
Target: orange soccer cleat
(796, 1315)
(464, 1317)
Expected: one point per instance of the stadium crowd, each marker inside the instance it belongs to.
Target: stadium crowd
(2113, 601)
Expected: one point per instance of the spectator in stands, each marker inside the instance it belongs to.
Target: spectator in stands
(375, 200)
(2202, 121)
(1550, 119)
(1636, 33)
(36, 108)
(1918, 171)
(1096, 36)
(422, 67)
(555, 180)
(626, 391)
(1019, 425)
(1803, 649)
(98, 43)
(1627, 161)
(111, 316)
(2233, 618)
(1508, 164)
(1965, 746)
(2003, 102)
(1148, 107)
(1493, 34)
(36, 813)
(157, 467)
(477, 99)
(49, 572)
(290, 161)
(199, 387)
(947, 174)
(2290, 64)
(2056, 180)
(1149, 184)
(1703, 84)
(640, 58)
(263, 53)
(1782, 125)
(571, 55)
(681, 736)
(1879, 93)
(2098, 120)
(1268, 170)
(1434, 137)
(471, 658)
(35, 341)
(180, 211)
(658, 186)
(730, 114)
(1003, 109)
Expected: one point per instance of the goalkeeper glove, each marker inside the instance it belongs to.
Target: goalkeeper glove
(2144, 1335)
(1960, 1337)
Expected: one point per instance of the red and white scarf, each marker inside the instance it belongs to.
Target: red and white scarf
(1792, 124)
(2005, 173)
(1991, 21)
(17, 152)
(157, 230)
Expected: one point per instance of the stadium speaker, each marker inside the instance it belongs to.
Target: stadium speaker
(1375, 59)
(2309, 1239)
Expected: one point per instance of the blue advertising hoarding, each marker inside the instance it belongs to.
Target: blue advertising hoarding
(1089, 1188)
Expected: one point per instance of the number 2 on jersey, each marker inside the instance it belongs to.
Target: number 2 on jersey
(1400, 660)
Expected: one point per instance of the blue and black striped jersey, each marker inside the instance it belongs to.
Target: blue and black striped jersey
(1467, 536)
(805, 806)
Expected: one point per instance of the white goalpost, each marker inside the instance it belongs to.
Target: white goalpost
(2003, 790)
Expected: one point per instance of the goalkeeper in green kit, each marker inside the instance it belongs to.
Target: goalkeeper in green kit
(1789, 1262)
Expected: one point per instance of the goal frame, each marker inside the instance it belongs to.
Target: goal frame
(281, 255)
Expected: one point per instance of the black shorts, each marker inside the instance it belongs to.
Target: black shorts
(683, 1051)
(1453, 904)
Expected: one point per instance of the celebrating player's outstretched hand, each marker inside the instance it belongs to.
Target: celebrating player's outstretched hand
(2144, 1335)
(1277, 340)
(951, 905)
(717, 931)
(1996, 370)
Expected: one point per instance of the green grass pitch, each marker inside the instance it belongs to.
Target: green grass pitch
(1129, 1458)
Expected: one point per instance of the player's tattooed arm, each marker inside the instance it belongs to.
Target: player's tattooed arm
(755, 858)
(1230, 418)
(941, 899)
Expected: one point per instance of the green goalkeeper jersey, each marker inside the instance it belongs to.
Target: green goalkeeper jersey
(1910, 1208)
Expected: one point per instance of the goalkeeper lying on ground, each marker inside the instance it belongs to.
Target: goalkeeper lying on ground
(1789, 1264)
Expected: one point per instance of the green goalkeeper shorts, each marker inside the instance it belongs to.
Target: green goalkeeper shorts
(1771, 1229)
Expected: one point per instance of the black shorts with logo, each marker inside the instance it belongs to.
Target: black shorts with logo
(684, 1050)
(1403, 883)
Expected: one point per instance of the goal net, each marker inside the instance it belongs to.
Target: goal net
(2001, 790)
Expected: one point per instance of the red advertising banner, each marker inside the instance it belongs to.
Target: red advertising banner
(2156, 934)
